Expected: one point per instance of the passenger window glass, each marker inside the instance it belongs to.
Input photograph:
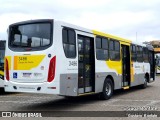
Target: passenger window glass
(117, 46)
(45, 42)
(69, 42)
(104, 43)
(114, 50)
(102, 54)
(98, 42)
(23, 36)
(101, 48)
(111, 45)
(64, 36)
(16, 39)
(71, 37)
(133, 53)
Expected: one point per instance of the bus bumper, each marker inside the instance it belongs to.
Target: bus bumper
(45, 88)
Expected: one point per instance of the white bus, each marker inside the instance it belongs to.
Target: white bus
(54, 57)
(2, 51)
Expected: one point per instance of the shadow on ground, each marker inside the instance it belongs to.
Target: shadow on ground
(2, 92)
(64, 104)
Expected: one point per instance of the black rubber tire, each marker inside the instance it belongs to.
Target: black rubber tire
(143, 86)
(107, 89)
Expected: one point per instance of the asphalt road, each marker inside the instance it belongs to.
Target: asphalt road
(122, 100)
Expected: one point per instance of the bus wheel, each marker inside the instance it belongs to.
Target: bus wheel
(107, 89)
(144, 85)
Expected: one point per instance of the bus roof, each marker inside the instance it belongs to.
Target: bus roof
(95, 32)
(111, 36)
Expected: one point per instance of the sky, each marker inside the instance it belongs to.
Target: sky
(137, 20)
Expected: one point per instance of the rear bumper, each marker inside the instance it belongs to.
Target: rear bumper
(45, 87)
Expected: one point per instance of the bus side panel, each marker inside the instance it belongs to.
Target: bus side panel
(140, 69)
(68, 84)
(100, 78)
(138, 79)
(68, 72)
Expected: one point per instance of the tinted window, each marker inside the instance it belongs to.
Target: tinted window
(30, 35)
(98, 42)
(104, 43)
(111, 45)
(69, 50)
(71, 37)
(102, 54)
(64, 33)
(145, 55)
(139, 54)
(114, 50)
(69, 42)
(116, 46)
(101, 48)
(133, 53)
(134, 48)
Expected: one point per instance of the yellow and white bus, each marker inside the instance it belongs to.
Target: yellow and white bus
(54, 57)
(2, 51)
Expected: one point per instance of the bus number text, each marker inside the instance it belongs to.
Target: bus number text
(22, 58)
(72, 63)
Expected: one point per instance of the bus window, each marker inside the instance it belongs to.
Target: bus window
(102, 48)
(139, 54)
(114, 50)
(134, 53)
(69, 42)
(30, 35)
(145, 55)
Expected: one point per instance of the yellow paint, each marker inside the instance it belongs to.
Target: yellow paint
(83, 94)
(15, 63)
(9, 62)
(125, 43)
(110, 36)
(1, 73)
(116, 65)
(27, 62)
(132, 72)
(127, 87)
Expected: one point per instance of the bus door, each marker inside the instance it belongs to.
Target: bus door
(152, 64)
(125, 65)
(86, 64)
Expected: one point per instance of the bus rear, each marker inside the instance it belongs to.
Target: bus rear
(30, 59)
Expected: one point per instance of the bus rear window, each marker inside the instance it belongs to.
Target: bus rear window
(37, 35)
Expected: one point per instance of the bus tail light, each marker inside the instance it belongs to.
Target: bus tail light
(52, 68)
(7, 69)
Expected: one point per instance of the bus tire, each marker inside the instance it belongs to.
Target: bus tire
(107, 89)
(144, 85)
